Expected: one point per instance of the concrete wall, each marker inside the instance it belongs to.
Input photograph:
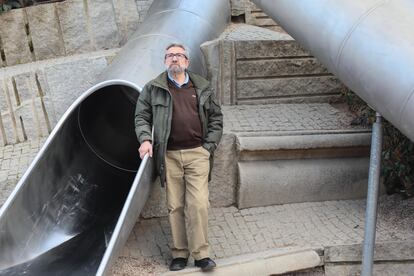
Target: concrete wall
(52, 53)
(66, 28)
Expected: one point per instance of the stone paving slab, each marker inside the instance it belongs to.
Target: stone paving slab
(14, 160)
(234, 232)
(283, 119)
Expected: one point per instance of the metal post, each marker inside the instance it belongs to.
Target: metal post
(372, 197)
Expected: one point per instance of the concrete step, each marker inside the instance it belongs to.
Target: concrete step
(302, 168)
(390, 258)
(290, 153)
(272, 262)
(257, 17)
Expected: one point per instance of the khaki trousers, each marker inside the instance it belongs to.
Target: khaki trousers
(187, 201)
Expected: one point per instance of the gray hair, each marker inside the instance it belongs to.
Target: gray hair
(179, 45)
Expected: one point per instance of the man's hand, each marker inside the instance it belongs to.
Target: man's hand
(145, 148)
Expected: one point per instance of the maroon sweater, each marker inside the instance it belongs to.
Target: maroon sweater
(186, 132)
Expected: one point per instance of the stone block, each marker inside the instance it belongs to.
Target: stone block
(224, 175)
(379, 269)
(4, 106)
(28, 108)
(211, 58)
(143, 7)
(3, 138)
(25, 117)
(227, 76)
(245, 32)
(238, 7)
(270, 262)
(384, 251)
(264, 183)
(45, 31)
(127, 18)
(156, 205)
(15, 42)
(47, 107)
(75, 30)
(67, 81)
(49, 112)
(219, 58)
(298, 147)
(103, 30)
(291, 87)
(11, 124)
(10, 128)
(25, 85)
(2, 64)
(279, 68)
(33, 121)
(11, 90)
(269, 49)
(265, 22)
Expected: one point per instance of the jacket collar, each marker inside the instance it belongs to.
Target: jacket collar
(199, 82)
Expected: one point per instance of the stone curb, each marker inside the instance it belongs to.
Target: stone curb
(390, 258)
(304, 141)
(270, 262)
(268, 133)
(384, 251)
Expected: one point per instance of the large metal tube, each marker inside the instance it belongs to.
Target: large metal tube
(368, 44)
(75, 206)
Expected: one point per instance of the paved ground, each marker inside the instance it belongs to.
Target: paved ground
(280, 119)
(234, 232)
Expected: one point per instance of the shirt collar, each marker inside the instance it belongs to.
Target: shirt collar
(187, 78)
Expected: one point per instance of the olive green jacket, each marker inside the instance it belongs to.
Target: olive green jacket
(154, 108)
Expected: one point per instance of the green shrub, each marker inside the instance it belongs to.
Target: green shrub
(397, 167)
(397, 162)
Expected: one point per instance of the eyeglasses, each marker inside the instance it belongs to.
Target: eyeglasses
(178, 55)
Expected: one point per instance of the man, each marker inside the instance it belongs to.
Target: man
(187, 126)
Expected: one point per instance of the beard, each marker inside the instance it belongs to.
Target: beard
(175, 69)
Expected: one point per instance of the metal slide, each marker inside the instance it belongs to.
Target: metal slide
(73, 209)
(369, 45)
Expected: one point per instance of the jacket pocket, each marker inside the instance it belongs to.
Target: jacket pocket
(159, 101)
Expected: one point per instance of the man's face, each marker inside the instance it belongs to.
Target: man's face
(176, 60)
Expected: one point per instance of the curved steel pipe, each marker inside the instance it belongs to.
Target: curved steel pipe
(368, 44)
(75, 206)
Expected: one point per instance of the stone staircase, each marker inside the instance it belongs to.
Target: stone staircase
(255, 16)
(294, 138)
